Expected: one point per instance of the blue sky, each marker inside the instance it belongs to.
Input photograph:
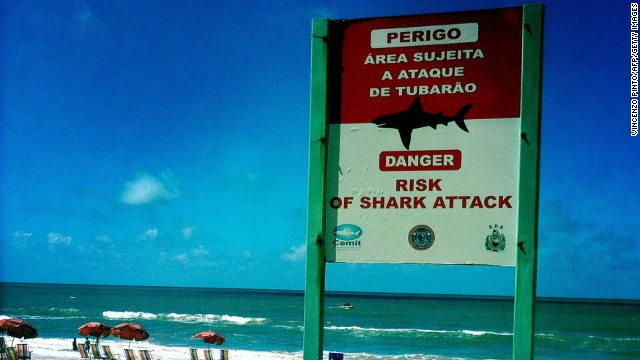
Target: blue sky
(166, 143)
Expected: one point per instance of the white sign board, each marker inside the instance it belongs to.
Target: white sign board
(424, 138)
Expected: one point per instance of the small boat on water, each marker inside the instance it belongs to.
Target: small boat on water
(346, 306)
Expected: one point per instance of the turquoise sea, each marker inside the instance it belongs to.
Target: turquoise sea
(268, 324)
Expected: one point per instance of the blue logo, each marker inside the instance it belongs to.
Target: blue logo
(347, 232)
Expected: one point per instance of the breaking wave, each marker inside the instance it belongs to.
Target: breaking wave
(124, 315)
(377, 331)
(44, 313)
(185, 318)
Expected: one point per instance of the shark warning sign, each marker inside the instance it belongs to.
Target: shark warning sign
(424, 137)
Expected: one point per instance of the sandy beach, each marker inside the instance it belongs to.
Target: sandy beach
(60, 349)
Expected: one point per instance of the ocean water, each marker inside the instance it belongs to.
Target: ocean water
(261, 324)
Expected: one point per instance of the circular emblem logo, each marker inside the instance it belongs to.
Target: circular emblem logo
(421, 237)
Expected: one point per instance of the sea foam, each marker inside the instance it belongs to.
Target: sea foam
(123, 315)
(185, 318)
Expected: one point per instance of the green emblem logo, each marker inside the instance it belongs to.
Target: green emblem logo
(495, 241)
(421, 237)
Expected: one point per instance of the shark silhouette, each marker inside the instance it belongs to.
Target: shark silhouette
(415, 118)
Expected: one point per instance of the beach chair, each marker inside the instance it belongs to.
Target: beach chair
(224, 354)
(336, 356)
(11, 353)
(3, 348)
(84, 354)
(95, 352)
(145, 355)
(23, 351)
(208, 354)
(194, 354)
(129, 354)
(107, 354)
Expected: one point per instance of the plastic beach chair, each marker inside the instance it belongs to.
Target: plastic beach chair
(3, 353)
(194, 354)
(224, 355)
(208, 354)
(145, 355)
(107, 354)
(11, 353)
(23, 351)
(129, 354)
(84, 354)
(3, 348)
(95, 352)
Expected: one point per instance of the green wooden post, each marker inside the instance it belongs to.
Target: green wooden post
(526, 263)
(315, 271)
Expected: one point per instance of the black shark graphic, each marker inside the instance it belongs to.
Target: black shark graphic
(415, 117)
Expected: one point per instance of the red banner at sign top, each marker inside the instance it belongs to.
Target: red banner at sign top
(448, 60)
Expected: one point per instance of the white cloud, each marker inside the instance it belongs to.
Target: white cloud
(22, 239)
(150, 234)
(198, 257)
(184, 258)
(200, 251)
(56, 240)
(22, 235)
(147, 188)
(103, 238)
(295, 253)
(187, 232)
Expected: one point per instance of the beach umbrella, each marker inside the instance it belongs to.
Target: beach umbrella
(18, 328)
(210, 337)
(94, 329)
(130, 331)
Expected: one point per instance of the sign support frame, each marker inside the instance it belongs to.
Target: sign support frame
(316, 264)
(527, 253)
(528, 204)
